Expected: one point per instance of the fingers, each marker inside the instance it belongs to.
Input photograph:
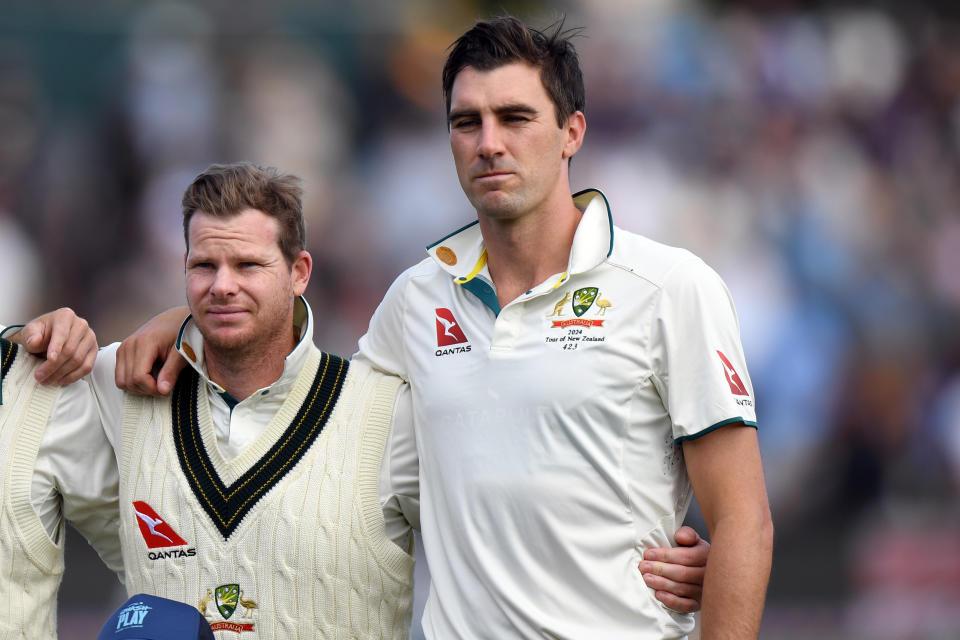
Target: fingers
(695, 556)
(679, 588)
(686, 536)
(686, 556)
(148, 347)
(134, 369)
(672, 572)
(75, 360)
(137, 360)
(169, 372)
(676, 573)
(31, 336)
(682, 605)
(67, 341)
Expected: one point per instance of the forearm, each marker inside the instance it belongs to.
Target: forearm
(736, 579)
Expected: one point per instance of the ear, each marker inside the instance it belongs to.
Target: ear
(301, 268)
(575, 128)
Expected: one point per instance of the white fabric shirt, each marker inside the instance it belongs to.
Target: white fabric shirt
(549, 431)
(75, 474)
(240, 426)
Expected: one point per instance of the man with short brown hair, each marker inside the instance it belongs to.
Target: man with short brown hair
(255, 492)
(571, 382)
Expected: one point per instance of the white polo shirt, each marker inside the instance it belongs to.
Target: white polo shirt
(548, 431)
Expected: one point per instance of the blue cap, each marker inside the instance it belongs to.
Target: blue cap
(144, 617)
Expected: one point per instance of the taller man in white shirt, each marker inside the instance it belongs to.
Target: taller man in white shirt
(571, 382)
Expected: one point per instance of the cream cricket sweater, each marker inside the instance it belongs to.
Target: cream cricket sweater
(287, 540)
(31, 565)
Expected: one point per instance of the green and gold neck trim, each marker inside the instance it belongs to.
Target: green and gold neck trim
(227, 505)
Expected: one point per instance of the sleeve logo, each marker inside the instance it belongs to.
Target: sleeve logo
(736, 384)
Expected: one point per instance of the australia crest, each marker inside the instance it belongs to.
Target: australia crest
(228, 600)
(583, 299)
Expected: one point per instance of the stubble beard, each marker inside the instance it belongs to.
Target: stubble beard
(252, 342)
(500, 205)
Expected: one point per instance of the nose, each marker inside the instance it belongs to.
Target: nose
(224, 282)
(490, 141)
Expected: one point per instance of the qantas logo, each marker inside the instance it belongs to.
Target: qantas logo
(736, 384)
(156, 533)
(450, 337)
(448, 329)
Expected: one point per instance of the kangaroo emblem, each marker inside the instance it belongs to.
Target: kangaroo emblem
(152, 525)
(558, 308)
(204, 601)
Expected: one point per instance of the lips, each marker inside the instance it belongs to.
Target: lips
(225, 314)
(495, 175)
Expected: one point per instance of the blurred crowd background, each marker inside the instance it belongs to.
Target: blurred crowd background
(808, 151)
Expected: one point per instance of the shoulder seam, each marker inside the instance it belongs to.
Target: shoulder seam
(690, 257)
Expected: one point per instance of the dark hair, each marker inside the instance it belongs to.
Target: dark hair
(226, 190)
(493, 43)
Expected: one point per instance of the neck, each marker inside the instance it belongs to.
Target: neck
(523, 252)
(243, 371)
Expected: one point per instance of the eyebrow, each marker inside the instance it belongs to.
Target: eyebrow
(512, 107)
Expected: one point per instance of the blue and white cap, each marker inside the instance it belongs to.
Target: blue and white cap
(145, 617)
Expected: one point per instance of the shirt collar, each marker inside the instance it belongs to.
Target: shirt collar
(463, 255)
(190, 345)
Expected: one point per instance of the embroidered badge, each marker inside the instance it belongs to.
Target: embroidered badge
(228, 600)
(156, 533)
(446, 255)
(558, 308)
(586, 327)
(450, 337)
(583, 300)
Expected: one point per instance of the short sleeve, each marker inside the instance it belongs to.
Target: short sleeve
(699, 365)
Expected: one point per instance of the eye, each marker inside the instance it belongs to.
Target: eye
(464, 123)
